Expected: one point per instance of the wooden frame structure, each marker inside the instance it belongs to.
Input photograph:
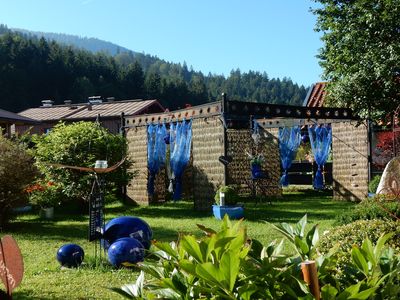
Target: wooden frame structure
(223, 128)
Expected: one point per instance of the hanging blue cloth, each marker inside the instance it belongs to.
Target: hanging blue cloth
(256, 132)
(320, 140)
(156, 152)
(289, 141)
(180, 144)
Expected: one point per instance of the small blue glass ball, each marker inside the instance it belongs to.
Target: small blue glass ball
(127, 226)
(125, 252)
(70, 255)
(304, 138)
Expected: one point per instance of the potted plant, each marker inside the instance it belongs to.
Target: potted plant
(255, 163)
(226, 199)
(46, 196)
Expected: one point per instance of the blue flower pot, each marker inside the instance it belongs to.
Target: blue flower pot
(256, 171)
(233, 211)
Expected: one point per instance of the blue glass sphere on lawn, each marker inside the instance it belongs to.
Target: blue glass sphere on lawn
(128, 227)
(125, 252)
(70, 255)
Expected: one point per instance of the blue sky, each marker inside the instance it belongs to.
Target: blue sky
(275, 36)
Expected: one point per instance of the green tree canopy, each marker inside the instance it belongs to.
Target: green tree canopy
(361, 54)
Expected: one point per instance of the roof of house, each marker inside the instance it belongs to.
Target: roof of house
(89, 111)
(316, 95)
(10, 117)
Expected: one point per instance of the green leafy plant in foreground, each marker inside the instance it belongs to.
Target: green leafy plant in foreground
(219, 266)
(227, 265)
(375, 270)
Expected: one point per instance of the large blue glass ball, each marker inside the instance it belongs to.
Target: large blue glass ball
(70, 255)
(125, 252)
(128, 227)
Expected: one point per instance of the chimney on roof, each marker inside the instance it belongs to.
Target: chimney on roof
(47, 103)
(68, 102)
(110, 99)
(95, 100)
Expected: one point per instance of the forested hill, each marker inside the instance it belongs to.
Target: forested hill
(33, 69)
(91, 44)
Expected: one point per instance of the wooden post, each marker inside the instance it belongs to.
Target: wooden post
(310, 274)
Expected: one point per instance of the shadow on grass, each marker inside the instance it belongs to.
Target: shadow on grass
(290, 208)
(175, 210)
(27, 295)
(49, 230)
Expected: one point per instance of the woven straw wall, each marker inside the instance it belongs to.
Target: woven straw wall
(208, 172)
(239, 171)
(137, 145)
(350, 161)
(273, 160)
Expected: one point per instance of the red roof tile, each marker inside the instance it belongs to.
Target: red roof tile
(316, 95)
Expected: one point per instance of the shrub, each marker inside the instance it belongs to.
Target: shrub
(373, 184)
(16, 172)
(231, 196)
(346, 236)
(81, 144)
(370, 209)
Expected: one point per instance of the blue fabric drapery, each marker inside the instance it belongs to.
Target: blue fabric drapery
(320, 140)
(256, 132)
(289, 141)
(180, 143)
(156, 152)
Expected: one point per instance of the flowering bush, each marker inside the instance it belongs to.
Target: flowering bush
(383, 151)
(44, 194)
(81, 144)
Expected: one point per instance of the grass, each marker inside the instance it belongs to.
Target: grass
(40, 239)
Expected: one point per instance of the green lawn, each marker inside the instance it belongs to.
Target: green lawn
(40, 239)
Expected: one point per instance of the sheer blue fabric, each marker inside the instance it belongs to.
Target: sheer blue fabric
(156, 152)
(320, 140)
(180, 144)
(256, 132)
(289, 141)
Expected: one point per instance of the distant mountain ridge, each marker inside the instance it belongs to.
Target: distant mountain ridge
(39, 65)
(88, 43)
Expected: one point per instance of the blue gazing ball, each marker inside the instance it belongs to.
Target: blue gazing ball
(70, 255)
(125, 252)
(127, 226)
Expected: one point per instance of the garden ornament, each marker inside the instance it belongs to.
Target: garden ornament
(11, 265)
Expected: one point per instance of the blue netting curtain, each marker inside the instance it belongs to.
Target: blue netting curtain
(180, 143)
(156, 152)
(289, 141)
(320, 140)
